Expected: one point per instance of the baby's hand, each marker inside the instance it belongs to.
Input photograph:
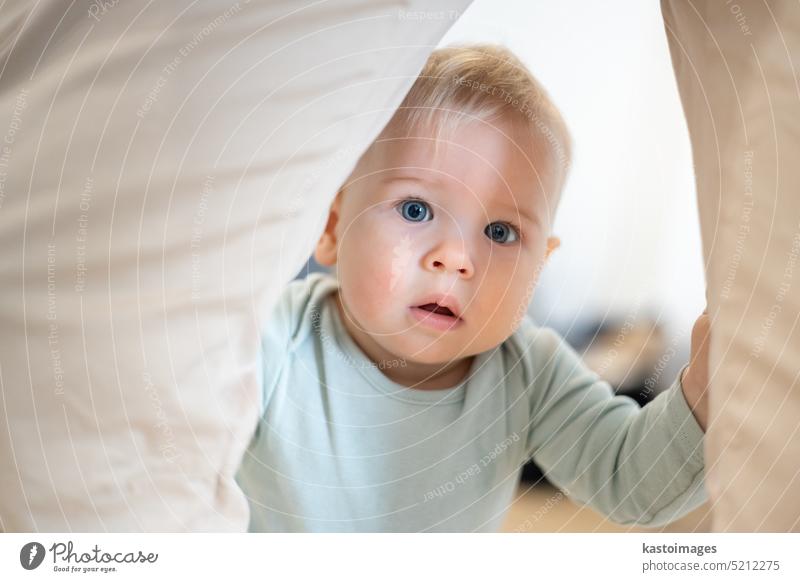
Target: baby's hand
(695, 377)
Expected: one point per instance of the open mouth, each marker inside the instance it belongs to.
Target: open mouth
(435, 316)
(436, 308)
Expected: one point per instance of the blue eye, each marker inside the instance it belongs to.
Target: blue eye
(415, 211)
(500, 232)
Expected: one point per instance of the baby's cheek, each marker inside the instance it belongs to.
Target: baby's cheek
(391, 259)
(507, 310)
(374, 287)
(387, 290)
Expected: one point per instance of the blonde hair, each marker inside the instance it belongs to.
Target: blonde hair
(484, 82)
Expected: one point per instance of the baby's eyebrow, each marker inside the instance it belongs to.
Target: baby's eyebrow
(520, 211)
(408, 178)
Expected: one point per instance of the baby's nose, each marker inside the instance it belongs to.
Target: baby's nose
(450, 256)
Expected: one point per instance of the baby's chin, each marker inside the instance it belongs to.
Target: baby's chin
(428, 353)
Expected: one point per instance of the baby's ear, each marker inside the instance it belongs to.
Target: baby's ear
(553, 242)
(325, 252)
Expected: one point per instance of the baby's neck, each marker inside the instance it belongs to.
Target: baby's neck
(412, 374)
(430, 376)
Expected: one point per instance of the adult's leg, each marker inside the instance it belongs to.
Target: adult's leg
(165, 168)
(737, 69)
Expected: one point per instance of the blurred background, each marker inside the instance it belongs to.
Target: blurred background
(627, 282)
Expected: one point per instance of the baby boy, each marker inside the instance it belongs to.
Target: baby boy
(406, 392)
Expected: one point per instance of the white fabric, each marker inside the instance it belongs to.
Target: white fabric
(164, 170)
(737, 69)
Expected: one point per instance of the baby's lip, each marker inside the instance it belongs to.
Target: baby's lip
(443, 301)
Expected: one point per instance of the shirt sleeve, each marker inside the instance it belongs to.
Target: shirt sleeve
(636, 465)
(277, 333)
(294, 315)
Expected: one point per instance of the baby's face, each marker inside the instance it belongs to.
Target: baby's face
(466, 228)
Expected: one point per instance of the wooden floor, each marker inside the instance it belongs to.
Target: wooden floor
(542, 508)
